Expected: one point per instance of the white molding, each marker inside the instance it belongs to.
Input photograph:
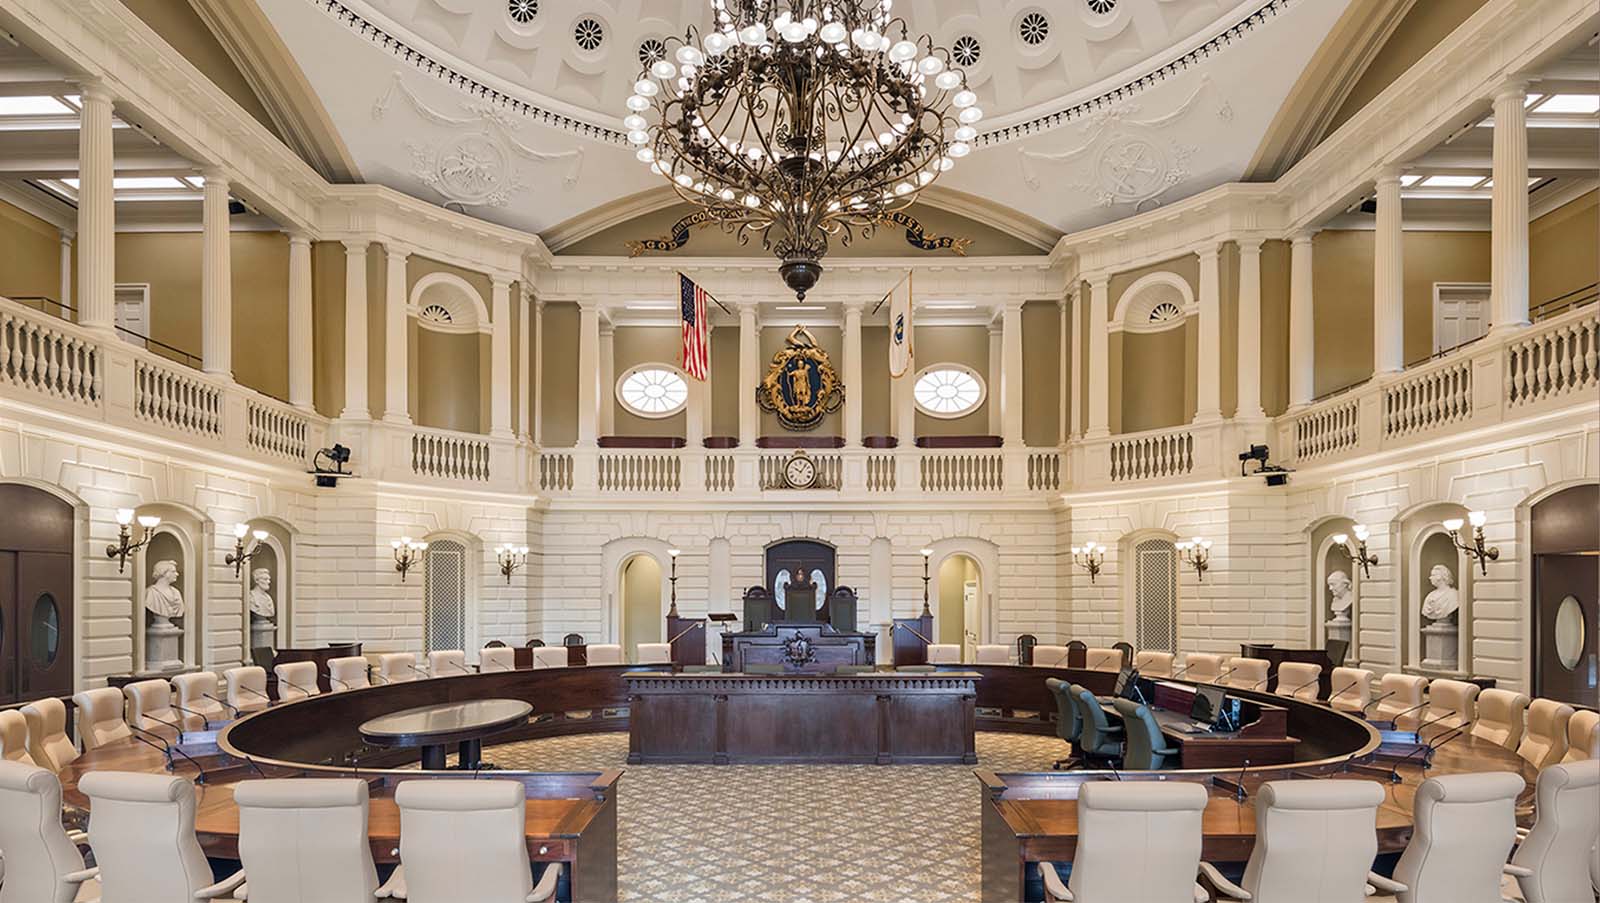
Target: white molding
(463, 291)
(1131, 296)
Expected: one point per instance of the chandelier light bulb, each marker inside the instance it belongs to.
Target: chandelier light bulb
(959, 149)
(646, 88)
(1477, 518)
(1453, 524)
(634, 121)
(832, 33)
(795, 32)
(716, 44)
(690, 56)
(638, 103)
(903, 52)
(963, 99)
(966, 133)
(970, 115)
(930, 66)
(663, 69)
(639, 136)
(149, 522)
(948, 80)
(753, 35)
(946, 164)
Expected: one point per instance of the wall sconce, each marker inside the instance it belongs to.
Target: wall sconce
(511, 559)
(1090, 557)
(1475, 549)
(926, 554)
(239, 556)
(1197, 554)
(407, 553)
(125, 546)
(673, 554)
(1360, 555)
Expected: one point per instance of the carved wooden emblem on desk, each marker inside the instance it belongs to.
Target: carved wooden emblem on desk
(801, 386)
(799, 651)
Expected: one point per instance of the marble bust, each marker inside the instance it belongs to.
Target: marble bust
(1339, 595)
(162, 599)
(261, 604)
(1441, 604)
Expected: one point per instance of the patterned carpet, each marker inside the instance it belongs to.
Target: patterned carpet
(826, 834)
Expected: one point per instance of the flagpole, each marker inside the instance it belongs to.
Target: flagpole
(903, 280)
(713, 298)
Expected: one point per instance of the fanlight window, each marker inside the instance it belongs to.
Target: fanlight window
(948, 391)
(1166, 312)
(653, 390)
(437, 313)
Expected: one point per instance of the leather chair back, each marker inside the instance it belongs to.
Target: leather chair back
(498, 659)
(150, 707)
(1248, 673)
(141, 827)
(1315, 841)
(1351, 689)
(246, 688)
(1545, 740)
(37, 851)
(1583, 737)
(1097, 737)
(305, 840)
(463, 840)
(1025, 644)
(448, 662)
(1500, 717)
(1153, 664)
(1147, 747)
(1068, 722)
(1451, 704)
(1204, 667)
(193, 692)
(99, 714)
(1404, 703)
(48, 742)
(396, 667)
(993, 654)
(655, 653)
(550, 656)
(1559, 847)
(296, 680)
(1299, 680)
(1049, 656)
(14, 738)
(605, 654)
(944, 654)
(1138, 842)
(1466, 825)
(1099, 658)
(347, 672)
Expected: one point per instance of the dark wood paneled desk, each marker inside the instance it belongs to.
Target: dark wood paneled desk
(1262, 738)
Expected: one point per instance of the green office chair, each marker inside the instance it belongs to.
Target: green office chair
(1148, 749)
(1098, 738)
(1068, 724)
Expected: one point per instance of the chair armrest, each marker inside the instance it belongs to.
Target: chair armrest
(226, 886)
(1053, 887)
(1387, 885)
(395, 887)
(1522, 833)
(78, 838)
(1210, 876)
(1517, 871)
(81, 876)
(545, 890)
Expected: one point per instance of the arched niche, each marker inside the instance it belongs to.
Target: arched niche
(451, 576)
(1435, 646)
(1150, 601)
(275, 556)
(1152, 331)
(1335, 587)
(614, 555)
(450, 330)
(179, 538)
(641, 603)
(985, 559)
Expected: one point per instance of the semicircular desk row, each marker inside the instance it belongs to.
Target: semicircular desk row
(572, 816)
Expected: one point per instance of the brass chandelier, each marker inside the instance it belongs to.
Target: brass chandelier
(799, 121)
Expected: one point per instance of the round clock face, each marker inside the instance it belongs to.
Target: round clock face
(800, 472)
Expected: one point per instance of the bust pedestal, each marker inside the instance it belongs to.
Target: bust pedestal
(263, 633)
(1338, 627)
(163, 645)
(1441, 646)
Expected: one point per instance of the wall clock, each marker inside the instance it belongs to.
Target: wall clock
(800, 472)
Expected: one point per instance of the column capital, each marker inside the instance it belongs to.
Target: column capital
(1212, 249)
(354, 247)
(1303, 237)
(1388, 175)
(95, 89)
(500, 279)
(216, 175)
(1515, 88)
(1098, 278)
(393, 250)
(1249, 245)
(298, 238)
(67, 235)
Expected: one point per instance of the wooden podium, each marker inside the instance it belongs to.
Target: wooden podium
(688, 639)
(798, 647)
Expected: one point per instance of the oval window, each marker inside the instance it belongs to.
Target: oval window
(653, 390)
(946, 390)
(1569, 632)
(45, 630)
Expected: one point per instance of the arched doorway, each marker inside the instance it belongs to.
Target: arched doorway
(1565, 533)
(36, 594)
(639, 584)
(959, 619)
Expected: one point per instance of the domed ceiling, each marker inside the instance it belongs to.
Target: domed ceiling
(510, 109)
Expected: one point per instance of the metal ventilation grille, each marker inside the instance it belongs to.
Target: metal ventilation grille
(522, 11)
(1156, 595)
(967, 50)
(1033, 29)
(588, 34)
(445, 596)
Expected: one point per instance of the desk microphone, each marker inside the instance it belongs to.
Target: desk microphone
(341, 683)
(460, 668)
(1219, 677)
(296, 686)
(425, 675)
(1376, 701)
(1306, 684)
(165, 747)
(1260, 683)
(257, 695)
(169, 750)
(227, 705)
(203, 719)
(1239, 792)
(1427, 749)
(253, 766)
(1349, 686)
(1433, 721)
(1180, 672)
(1396, 718)
(382, 681)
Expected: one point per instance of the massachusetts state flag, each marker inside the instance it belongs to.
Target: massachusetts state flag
(696, 329)
(900, 354)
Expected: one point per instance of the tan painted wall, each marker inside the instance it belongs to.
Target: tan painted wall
(1564, 249)
(560, 365)
(31, 262)
(327, 327)
(1043, 361)
(965, 345)
(725, 388)
(634, 345)
(1153, 397)
(641, 605)
(444, 397)
(1275, 327)
(877, 417)
(1427, 23)
(954, 572)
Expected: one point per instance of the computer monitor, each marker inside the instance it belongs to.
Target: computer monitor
(1127, 678)
(1207, 705)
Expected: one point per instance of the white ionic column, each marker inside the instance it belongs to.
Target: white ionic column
(66, 271)
(1099, 425)
(1302, 333)
(523, 364)
(1508, 237)
(216, 277)
(588, 374)
(995, 376)
(1011, 374)
(538, 372)
(97, 214)
(608, 379)
(355, 332)
(749, 370)
(396, 342)
(1208, 383)
(301, 377)
(500, 358)
(1249, 373)
(1064, 429)
(1388, 280)
(852, 374)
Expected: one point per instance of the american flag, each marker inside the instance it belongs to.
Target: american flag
(696, 329)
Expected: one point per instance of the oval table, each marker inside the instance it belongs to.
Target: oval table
(433, 727)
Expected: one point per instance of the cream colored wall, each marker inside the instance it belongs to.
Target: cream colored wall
(31, 263)
(1425, 25)
(1043, 360)
(560, 365)
(1564, 249)
(635, 345)
(965, 345)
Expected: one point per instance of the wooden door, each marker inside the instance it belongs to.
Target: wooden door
(36, 594)
(1567, 618)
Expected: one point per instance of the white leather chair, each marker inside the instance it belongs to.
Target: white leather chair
(141, 828)
(304, 840)
(48, 742)
(605, 654)
(1583, 737)
(463, 840)
(1245, 673)
(1557, 852)
(347, 672)
(296, 680)
(1099, 659)
(1315, 841)
(41, 863)
(549, 656)
(497, 658)
(1202, 667)
(99, 717)
(1049, 656)
(655, 653)
(1403, 704)
(1451, 704)
(396, 667)
(1465, 826)
(1153, 664)
(992, 654)
(1544, 742)
(1351, 689)
(447, 662)
(1138, 842)
(944, 654)
(198, 694)
(246, 688)
(150, 708)
(1500, 717)
(14, 738)
(1299, 680)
